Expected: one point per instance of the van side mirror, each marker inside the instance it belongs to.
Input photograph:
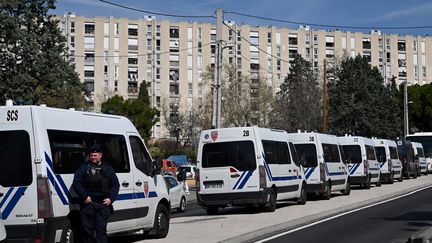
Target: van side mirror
(157, 166)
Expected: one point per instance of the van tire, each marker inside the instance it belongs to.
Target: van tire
(400, 179)
(391, 180)
(367, 185)
(212, 210)
(303, 195)
(327, 193)
(379, 182)
(161, 223)
(271, 204)
(347, 189)
(182, 206)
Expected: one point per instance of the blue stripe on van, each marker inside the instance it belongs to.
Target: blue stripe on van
(382, 164)
(152, 194)
(12, 203)
(6, 196)
(309, 172)
(239, 179)
(278, 178)
(57, 188)
(354, 168)
(248, 175)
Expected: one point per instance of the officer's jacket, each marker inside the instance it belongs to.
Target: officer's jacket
(98, 182)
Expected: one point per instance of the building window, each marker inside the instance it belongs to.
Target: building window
(133, 44)
(72, 27)
(133, 30)
(366, 43)
(190, 90)
(401, 45)
(89, 57)
(174, 89)
(132, 58)
(89, 71)
(89, 28)
(89, 42)
(89, 85)
(174, 74)
(292, 39)
(329, 41)
(174, 32)
(116, 28)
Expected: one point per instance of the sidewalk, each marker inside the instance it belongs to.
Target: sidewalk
(241, 226)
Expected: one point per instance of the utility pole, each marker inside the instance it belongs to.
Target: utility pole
(406, 126)
(217, 96)
(325, 100)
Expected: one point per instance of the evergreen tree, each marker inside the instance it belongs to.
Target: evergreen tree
(298, 103)
(143, 93)
(360, 104)
(420, 108)
(33, 58)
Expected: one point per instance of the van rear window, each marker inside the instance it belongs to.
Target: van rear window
(352, 153)
(381, 154)
(370, 152)
(393, 153)
(307, 154)
(239, 154)
(331, 153)
(15, 159)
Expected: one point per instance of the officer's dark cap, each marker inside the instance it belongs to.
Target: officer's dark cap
(96, 148)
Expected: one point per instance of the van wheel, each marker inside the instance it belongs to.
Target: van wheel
(391, 180)
(378, 184)
(347, 189)
(367, 185)
(303, 195)
(161, 222)
(327, 193)
(182, 206)
(213, 210)
(271, 204)
(400, 179)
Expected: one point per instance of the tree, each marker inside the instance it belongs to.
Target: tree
(420, 108)
(245, 99)
(33, 58)
(137, 110)
(359, 103)
(298, 103)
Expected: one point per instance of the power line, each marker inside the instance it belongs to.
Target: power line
(160, 53)
(156, 13)
(329, 25)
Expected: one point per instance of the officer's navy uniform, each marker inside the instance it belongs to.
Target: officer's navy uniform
(98, 182)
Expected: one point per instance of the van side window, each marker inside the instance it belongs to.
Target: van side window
(141, 157)
(294, 154)
(381, 154)
(393, 153)
(307, 153)
(352, 153)
(15, 159)
(331, 153)
(276, 152)
(69, 150)
(370, 152)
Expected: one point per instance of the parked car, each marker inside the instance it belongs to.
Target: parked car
(177, 194)
(190, 170)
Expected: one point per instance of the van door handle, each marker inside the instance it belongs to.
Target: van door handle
(138, 183)
(235, 176)
(289, 171)
(125, 184)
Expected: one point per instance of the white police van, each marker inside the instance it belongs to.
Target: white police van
(363, 167)
(419, 153)
(247, 166)
(40, 149)
(388, 159)
(325, 171)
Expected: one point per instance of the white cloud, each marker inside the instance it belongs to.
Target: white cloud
(425, 8)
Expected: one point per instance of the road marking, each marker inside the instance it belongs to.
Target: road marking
(340, 215)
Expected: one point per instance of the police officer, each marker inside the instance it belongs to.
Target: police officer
(97, 186)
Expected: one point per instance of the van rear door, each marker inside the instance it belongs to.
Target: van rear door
(227, 166)
(17, 177)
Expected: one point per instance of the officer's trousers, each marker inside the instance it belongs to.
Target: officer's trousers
(94, 219)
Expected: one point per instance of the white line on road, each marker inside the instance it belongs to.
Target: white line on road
(339, 215)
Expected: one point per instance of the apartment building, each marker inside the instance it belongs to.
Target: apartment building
(115, 55)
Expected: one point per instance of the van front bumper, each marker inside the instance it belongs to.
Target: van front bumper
(234, 199)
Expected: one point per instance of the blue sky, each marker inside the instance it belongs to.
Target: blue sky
(365, 13)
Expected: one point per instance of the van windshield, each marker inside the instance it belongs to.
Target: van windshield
(352, 153)
(307, 154)
(15, 159)
(238, 154)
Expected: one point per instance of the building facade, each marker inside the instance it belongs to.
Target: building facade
(115, 55)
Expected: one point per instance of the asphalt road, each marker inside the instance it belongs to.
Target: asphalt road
(394, 221)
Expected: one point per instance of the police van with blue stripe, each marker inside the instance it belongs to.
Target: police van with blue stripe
(247, 166)
(363, 166)
(40, 149)
(388, 159)
(325, 170)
